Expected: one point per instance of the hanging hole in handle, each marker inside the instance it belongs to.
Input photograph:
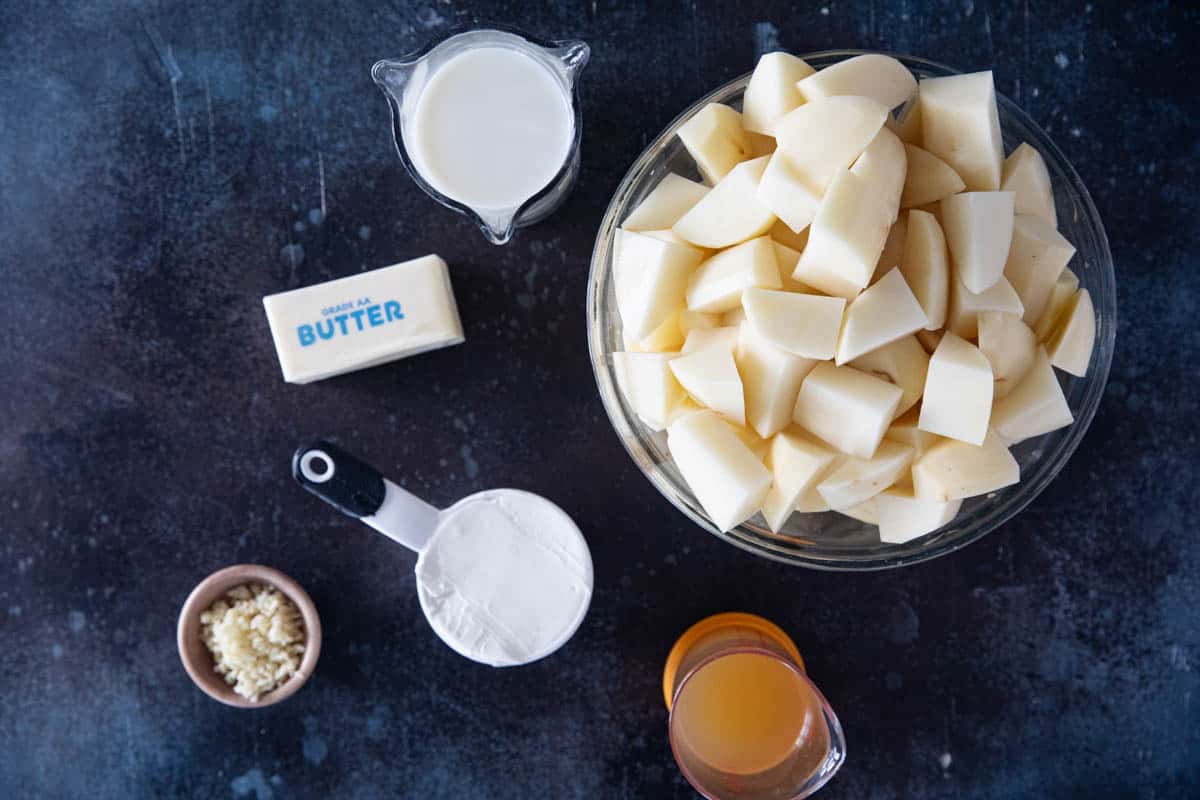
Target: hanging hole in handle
(317, 466)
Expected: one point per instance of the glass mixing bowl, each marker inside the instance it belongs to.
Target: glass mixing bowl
(830, 540)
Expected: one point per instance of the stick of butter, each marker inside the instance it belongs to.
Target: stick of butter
(364, 320)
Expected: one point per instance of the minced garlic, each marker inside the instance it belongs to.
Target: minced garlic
(256, 637)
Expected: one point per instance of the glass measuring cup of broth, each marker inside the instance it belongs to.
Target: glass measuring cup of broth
(487, 122)
(745, 721)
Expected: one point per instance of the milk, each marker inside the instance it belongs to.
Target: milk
(492, 128)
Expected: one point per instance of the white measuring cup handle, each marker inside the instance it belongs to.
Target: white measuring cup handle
(359, 490)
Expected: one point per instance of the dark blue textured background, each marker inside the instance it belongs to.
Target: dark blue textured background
(164, 165)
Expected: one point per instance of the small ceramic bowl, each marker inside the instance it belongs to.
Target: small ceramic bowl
(197, 660)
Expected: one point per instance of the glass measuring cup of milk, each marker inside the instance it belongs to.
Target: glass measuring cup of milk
(745, 720)
(487, 122)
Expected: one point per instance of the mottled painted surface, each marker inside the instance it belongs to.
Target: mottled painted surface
(163, 166)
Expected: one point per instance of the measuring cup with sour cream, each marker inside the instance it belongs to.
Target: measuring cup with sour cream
(504, 576)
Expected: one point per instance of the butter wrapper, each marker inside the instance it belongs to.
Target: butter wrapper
(364, 320)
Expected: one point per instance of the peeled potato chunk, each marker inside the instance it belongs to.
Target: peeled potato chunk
(757, 445)
(883, 313)
(929, 179)
(1070, 348)
(961, 126)
(787, 258)
(785, 236)
(908, 124)
(824, 136)
(771, 379)
(846, 408)
(865, 512)
(1036, 406)
(734, 317)
(1036, 258)
(759, 144)
(711, 377)
(882, 78)
(651, 277)
(715, 140)
(903, 517)
(1061, 298)
(717, 284)
(857, 480)
(797, 462)
(667, 337)
(957, 402)
(1025, 175)
(649, 385)
(772, 91)
(726, 477)
(902, 362)
(697, 320)
(925, 265)
(930, 339)
(966, 306)
(668, 235)
(673, 197)
(845, 238)
(884, 166)
(931, 208)
(978, 228)
(893, 248)
(1069, 278)
(731, 212)
(1009, 345)
(684, 407)
(906, 430)
(803, 324)
(811, 502)
(953, 470)
(784, 191)
(701, 338)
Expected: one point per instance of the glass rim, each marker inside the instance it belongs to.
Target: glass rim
(989, 518)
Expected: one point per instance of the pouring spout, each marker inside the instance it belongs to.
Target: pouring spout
(497, 226)
(392, 76)
(574, 56)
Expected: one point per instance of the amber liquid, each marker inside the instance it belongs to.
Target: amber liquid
(746, 713)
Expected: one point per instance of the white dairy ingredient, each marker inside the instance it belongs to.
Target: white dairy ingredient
(506, 578)
(364, 320)
(492, 128)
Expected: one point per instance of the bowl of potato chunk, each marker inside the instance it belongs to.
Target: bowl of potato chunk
(851, 310)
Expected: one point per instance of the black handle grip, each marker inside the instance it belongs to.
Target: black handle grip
(348, 484)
